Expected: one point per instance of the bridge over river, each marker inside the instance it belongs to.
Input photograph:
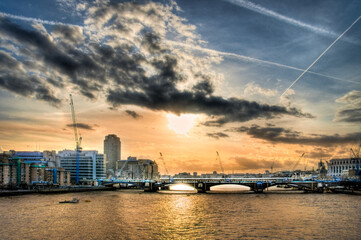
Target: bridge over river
(255, 184)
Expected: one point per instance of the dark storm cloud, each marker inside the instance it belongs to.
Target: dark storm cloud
(30, 86)
(36, 39)
(70, 33)
(122, 66)
(133, 114)
(217, 135)
(6, 61)
(167, 70)
(205, 87)
(47, 95)
(78, 65)
(281, 135)
(56, 83)
(164, 96)
(18, 85)
(352, 115)
(82, 126)
(12, 78)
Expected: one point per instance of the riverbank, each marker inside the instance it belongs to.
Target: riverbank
(4, 193)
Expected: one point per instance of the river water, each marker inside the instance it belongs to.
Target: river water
(138, 215)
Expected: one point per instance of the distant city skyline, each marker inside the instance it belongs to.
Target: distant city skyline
(185, 78)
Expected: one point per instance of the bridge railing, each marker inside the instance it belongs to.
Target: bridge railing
(226, 180)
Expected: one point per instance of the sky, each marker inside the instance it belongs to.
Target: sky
(185, 78)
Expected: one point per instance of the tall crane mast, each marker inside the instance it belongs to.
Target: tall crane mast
(77, 139)
(298, 161)
(356, 153)
(120, 171)
(353, 152)
(306, 164)
(220, 161)
(357, 156)
(272, 165)
(165, 167)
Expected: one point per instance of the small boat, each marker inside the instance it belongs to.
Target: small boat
(74, 200)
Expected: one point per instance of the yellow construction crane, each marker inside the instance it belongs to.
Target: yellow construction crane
(77, 139)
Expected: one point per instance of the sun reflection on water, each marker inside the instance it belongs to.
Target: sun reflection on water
(181, 187)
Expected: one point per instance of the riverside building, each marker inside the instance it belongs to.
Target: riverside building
(343, 167)
(91, 164)
(140, 169)
(29, 169)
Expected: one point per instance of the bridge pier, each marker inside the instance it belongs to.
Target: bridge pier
(150, 187)
(258, 190)
(258, 187)
(202, 187)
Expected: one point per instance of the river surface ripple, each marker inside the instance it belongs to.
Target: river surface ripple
(138, 215)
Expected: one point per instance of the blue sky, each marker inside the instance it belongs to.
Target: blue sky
(226, 63)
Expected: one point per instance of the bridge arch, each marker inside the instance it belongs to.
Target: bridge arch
(179, 187)
(232, 187)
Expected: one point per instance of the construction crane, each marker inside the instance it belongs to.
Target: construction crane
(353, 152)
(357, 153)
(306, 164)
(357, 156)
(165, 167)
(298, 161)
(272, 165)
(220, 161)
(78, 148)
(120, 171)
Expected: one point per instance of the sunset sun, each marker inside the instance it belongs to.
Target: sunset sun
(181, 124)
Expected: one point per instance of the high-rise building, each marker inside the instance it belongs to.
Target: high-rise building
(112, 153)
(91, 164)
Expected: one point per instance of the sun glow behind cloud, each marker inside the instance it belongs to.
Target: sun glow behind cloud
(181, 124)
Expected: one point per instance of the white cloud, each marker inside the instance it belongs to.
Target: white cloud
(35, 20)
(254, 89)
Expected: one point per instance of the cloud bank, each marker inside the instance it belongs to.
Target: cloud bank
(274, 134)
(350, 111)
(122, 54)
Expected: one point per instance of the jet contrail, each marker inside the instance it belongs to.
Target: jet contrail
(31, 19)
(251, 59)
(264, 11)
(322, 54)
(268, 12)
